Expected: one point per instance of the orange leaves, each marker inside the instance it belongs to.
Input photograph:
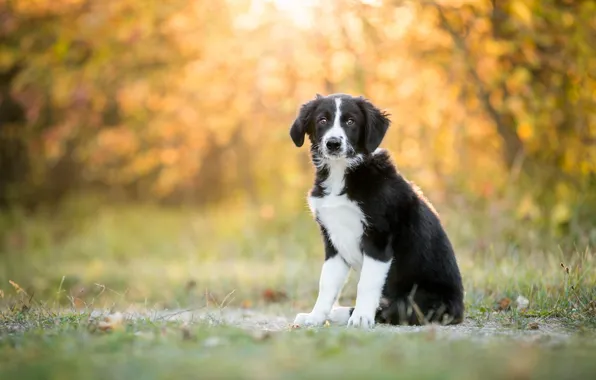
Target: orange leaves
(119, 141)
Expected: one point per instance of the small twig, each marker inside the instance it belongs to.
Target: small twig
(417, 310)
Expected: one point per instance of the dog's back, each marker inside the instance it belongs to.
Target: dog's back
(423, 279)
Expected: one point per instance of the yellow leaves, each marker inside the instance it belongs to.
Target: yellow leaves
(525, 130)
(528, 209)
(119, 141)
(496, 47)
(516, 105)
(341, 63)
(521, 9)
(143, 163)
(567, 18)
(169, 156)
(518, 80)
(560, 213)
(167, 181)
(132, 96)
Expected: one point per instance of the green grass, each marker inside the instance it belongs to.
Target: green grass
(73, 348)
(86, 256)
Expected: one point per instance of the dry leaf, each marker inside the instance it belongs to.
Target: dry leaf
(533, 326)
(246, 304)
(326, 324)
(271, 296)
(522, 303)
(504, 304)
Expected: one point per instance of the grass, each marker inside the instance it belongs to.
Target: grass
(74, 348)
(59, 268)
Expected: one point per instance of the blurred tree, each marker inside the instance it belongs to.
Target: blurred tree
(529, 67)
(190, 101)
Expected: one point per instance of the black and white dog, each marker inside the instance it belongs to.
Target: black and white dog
(373, 221)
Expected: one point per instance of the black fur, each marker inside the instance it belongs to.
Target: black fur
(424, 282)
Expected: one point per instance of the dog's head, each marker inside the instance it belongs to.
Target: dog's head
(340, 126)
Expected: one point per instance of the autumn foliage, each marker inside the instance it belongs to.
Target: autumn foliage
(191, 101)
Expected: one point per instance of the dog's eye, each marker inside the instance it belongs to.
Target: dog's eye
(350, 122)
(322, 121)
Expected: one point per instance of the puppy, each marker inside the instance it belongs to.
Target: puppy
(373, 221)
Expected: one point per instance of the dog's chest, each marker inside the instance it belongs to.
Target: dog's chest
(344, 221)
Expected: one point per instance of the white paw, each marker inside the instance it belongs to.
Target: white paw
(309, 319)
(360, 319)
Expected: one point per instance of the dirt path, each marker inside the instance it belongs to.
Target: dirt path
(547, 332)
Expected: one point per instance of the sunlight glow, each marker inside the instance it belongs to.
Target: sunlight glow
(299, 11)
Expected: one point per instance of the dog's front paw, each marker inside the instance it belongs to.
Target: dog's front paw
(360, 319)
(309, 319)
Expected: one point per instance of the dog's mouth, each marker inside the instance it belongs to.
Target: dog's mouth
(334, 155)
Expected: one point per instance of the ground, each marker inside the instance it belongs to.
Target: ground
(149, 293)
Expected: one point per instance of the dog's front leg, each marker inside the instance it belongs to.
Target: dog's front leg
(333, 277)
(370, 288)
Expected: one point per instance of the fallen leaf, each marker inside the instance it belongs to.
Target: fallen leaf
(246, 304)
(327, 324)
(271, 296)
(533, 326)
(504, 304)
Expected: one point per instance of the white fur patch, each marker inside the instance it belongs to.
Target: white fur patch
(342, 218)
(333, 278)
(336, 130)
(340, 315)
(370, 288)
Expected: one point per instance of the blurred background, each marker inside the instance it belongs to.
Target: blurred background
(144, 146)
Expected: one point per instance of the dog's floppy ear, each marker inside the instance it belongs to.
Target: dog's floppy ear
(377, 123)
(303, 120)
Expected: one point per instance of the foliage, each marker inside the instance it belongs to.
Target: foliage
(191, 101)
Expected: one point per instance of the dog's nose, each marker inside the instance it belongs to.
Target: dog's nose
(333, 144)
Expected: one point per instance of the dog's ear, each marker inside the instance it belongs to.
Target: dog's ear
(377, 123)
(303, 120)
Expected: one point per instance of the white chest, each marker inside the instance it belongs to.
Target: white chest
(344, 221)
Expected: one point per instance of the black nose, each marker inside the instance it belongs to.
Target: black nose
(333, 144)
